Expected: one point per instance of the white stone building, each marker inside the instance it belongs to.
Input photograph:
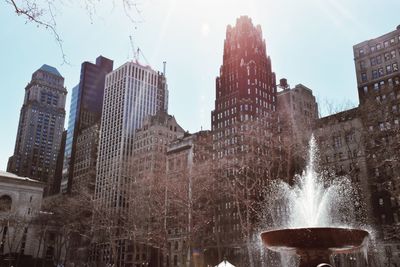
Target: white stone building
(20, 202)
(131, 93)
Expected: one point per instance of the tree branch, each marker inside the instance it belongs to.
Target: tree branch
(33, 13)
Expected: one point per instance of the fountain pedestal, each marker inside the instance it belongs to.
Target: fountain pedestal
(315, 245)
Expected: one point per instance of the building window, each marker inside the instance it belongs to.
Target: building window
(363, 77)
(386, 43)
(395, 67)
(380, 71)
(337, 141)
(374, 74)
(5, 203)
(388, 69)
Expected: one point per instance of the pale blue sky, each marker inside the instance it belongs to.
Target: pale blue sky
(309, 41)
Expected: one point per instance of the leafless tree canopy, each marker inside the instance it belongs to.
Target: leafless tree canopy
(43, 13)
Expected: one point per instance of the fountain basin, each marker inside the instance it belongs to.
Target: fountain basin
(315, 245)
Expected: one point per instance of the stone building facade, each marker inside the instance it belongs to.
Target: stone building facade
(297, 112)
(378, 79)
(20, 203)
(341, 138)
(187, 178)
(40, 127)
(147, 198)
(85, 158)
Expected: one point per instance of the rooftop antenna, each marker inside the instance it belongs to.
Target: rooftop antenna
(164, 67)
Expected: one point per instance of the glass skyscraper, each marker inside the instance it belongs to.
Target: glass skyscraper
(86, 108)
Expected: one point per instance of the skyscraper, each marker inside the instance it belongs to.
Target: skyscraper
(40, 128)
(132, 92)
(85, 111)
(246, 87)
(242, 128)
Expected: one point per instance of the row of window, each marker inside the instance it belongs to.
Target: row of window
(377, 73)
(379, 46)
(131, 70)
(381, 84)
(378, 59)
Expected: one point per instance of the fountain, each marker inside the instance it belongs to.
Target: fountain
(311, 231)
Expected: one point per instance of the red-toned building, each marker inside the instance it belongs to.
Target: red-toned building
(245, 88)
(243, 134)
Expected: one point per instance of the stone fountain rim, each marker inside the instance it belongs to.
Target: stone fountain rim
(365, 235)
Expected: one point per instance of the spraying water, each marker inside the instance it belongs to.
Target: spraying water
(314, 200)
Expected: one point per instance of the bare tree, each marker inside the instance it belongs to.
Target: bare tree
(44, 14)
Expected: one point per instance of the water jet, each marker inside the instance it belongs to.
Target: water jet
(311, 232)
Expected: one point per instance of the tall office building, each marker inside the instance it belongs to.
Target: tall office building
(378, 79)
(132, 92)
(246, 87)
(85, 111)
(40, 128)
(68, 140)
(242, 123)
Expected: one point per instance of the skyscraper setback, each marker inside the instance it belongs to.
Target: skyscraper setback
(40, 127)
(246, 87)
(242, 130)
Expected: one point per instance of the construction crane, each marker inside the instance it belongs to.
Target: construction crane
(137, 52)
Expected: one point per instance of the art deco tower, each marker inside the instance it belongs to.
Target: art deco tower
(242, 128)
(245, 89)
(40, 128)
